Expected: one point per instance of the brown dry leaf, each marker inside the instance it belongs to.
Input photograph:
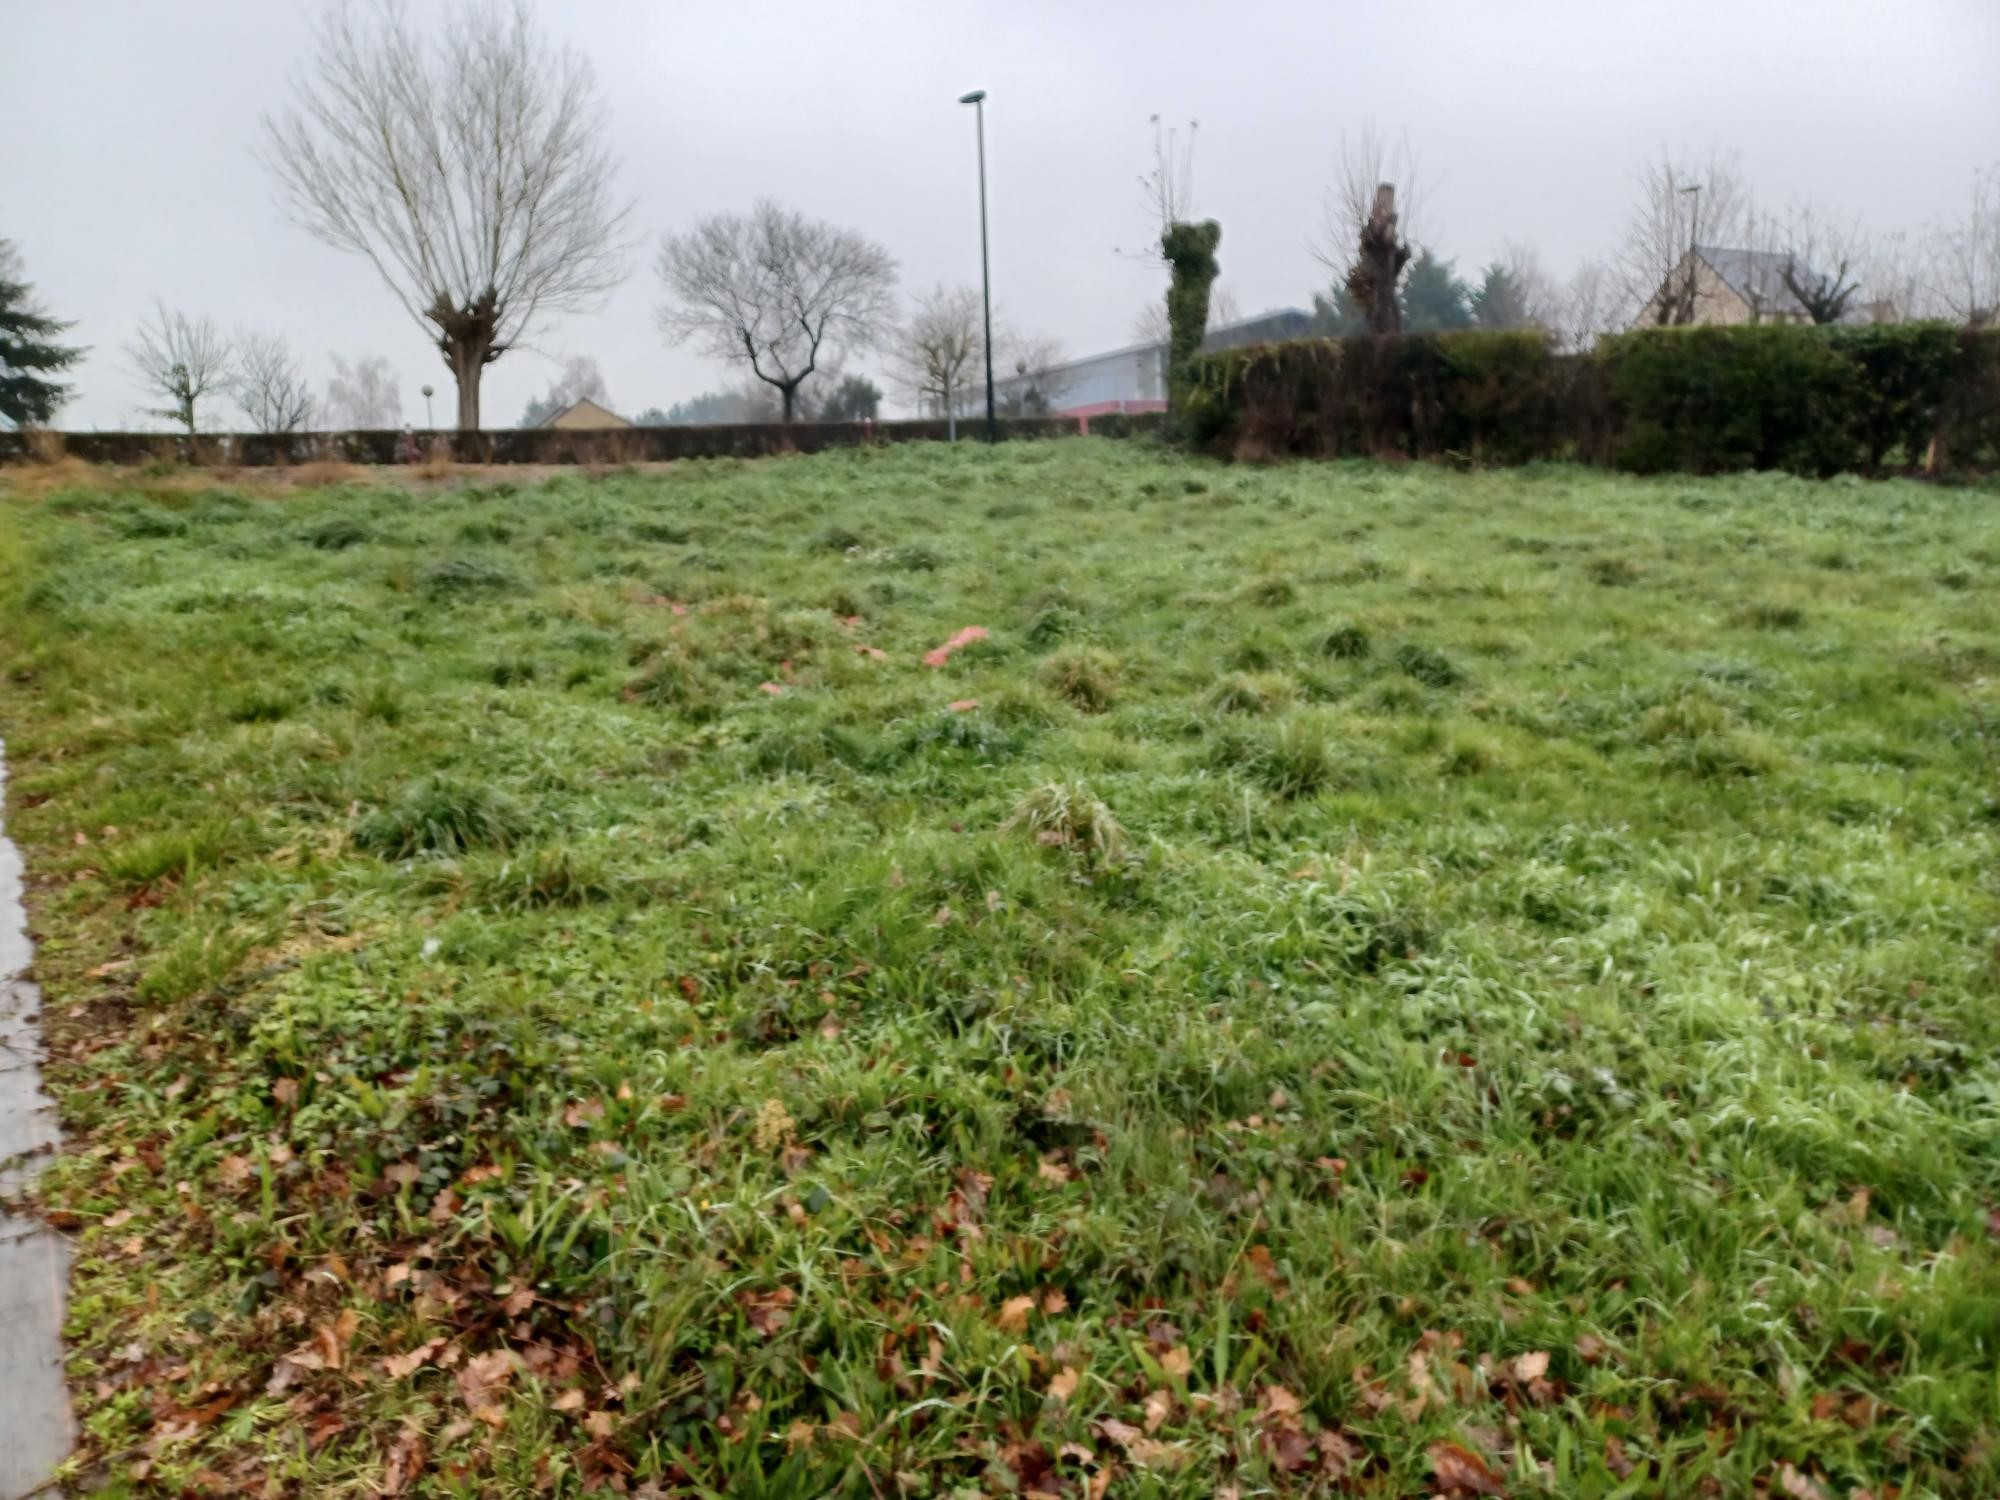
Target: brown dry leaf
(406, 1461)
(332, 1338)
(1266, 1269)
(1063, 1384)
(401, 1174)
(1177, 1363)
(1589, 1348)
(1529, 1367)
(1159, 1406)
(580, 1114)
(1051, 1170)
(1790, 1480)
(285, 1090)
(1459, 1468)
(235, 1170)
(600, 1424)
(1146, 1452)
(482, 1379)
(399, 1366)
(106, 970)
(768, 1312)
(571, 1400)
(1014, 1312)
(518, 1301)
(1054, 1302)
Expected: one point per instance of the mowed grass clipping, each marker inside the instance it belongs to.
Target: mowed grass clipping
(1340, 978)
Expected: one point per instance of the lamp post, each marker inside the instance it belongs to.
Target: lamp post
(1694, 231)
(977, 99)
(429, 421)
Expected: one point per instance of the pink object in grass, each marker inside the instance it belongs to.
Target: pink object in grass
(963, 705)
(965, 637)
(771, 687)
(876, 652)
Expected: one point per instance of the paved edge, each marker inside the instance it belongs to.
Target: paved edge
(36, 1432)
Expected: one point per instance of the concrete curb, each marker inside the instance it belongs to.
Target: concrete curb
(35, 1428)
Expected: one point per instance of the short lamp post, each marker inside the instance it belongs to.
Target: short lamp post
(977, 99)
(430, 423)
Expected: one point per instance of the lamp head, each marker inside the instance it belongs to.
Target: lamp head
(972, 98)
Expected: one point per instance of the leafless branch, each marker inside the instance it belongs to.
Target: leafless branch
(775, 291)
(1679, 205)
(363, 396)
(469, 169)
(269, 387)
(181, 360)
(937, 354)
(1365, 162)
(1964, 257)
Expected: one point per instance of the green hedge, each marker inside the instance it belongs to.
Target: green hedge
(1769, 396)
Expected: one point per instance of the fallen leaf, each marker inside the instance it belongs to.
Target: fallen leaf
(1529, 1367)
(571, 1400)
(1799, 1486)
(1177, 1363)
(774, 689)
(963, 705)
(1589, 1348)
(400, 1366)
(1459, 1468)
(332, 1338)
(1159, 1406)
(580, 1114)
(1147, 1452)
(105, 970)
(1063, 1384)
(285, 1090)
(1014, 1314)
(1054, 1302)
(407, 1456)
(600, 1424)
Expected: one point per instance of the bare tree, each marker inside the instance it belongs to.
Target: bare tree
(1964, 257)
(1680, 205)
(1895, 285)
(270, 388)
(181, 360)
(1587, 305)
(470, 171)
(580, 380)
(363, 396)
(1040, 378)
(777, 291)
(938, 352)
(1367, 235)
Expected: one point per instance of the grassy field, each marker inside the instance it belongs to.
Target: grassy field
(1360, 979)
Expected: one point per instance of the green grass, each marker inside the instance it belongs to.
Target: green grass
(549, 987)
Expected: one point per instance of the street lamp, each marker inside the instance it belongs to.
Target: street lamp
(1694, 233)
(977, 99)
(430, 422)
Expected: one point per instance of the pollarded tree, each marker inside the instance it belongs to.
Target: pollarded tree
(470, 169)
(776, 291)
(1368, 231)
(182, 360)
(28, 353)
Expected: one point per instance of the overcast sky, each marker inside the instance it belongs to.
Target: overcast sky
(130, 126)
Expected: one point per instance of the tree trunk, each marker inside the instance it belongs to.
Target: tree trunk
(468, 362)
(1383, 254)
(790, 395)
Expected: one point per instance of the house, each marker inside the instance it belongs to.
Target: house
(1731, 286)
(1130, 379)
(584, 414)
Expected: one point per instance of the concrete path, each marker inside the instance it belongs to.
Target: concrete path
(34, 1260)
